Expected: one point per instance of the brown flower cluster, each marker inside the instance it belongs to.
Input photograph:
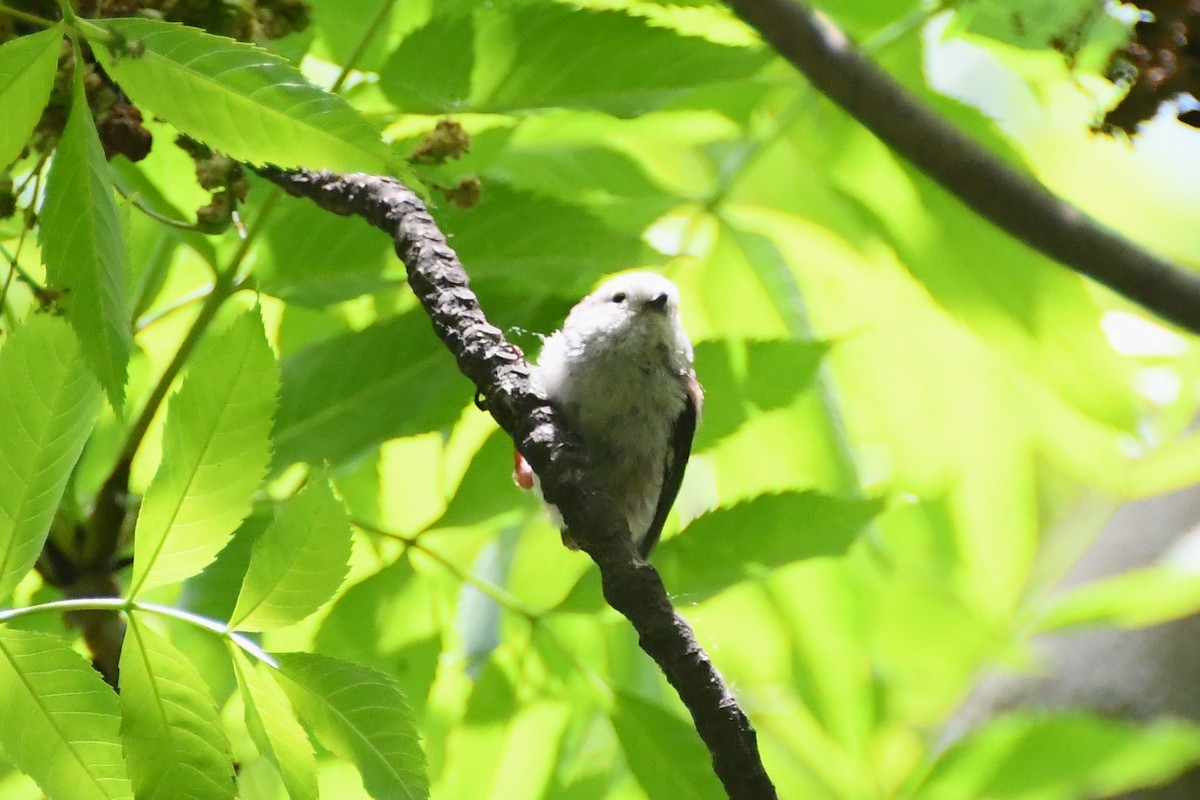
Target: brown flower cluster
(1160, 62)
(118, 121)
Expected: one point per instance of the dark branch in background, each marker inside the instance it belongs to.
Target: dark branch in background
(1010, 200)
(501, 375)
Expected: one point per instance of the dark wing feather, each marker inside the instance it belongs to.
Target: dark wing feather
(681, 449)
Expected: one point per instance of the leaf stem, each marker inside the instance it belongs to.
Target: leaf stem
(11, 258)
(359, 49)
(35, 174)
(222, 629)
(158, 261)
(129, 606)
(221, 290)
(180, 302)
(504, 599)
(68, 14)
(72, 604)
(43, 295)
(226, 284)
(465, 576)
(13, 271)
(179, 224)
(25, 16)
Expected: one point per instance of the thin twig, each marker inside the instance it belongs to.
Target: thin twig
(496, 593)
(537, 623)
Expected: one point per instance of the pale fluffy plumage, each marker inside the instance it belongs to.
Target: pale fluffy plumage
(620, 372)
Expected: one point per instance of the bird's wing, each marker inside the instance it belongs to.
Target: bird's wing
(677, 458)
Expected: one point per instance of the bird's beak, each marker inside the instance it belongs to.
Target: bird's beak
(658, 302)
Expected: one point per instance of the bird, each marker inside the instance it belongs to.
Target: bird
(620, 373)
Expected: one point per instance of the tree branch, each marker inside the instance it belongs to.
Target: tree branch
(501, 374)
(1010, 200)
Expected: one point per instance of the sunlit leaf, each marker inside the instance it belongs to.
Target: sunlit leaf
(48, 405)
(318, 258)
(518, 746)
(235, 97)
(215, 453)
(664, 751)
(547, 55)
(298, 562)
(83, 249)
(62, 719)
(478, 497)
(478, 743)
(742, 378)
(728, 545)
(273, 727)
(27, 66)
(359, 714)
(537, 240)
(173, 737)
(213, 593)
(1148, 596)
(1068, 755)
(361, 627)
(344, 395)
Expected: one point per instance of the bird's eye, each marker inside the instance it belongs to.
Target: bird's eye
(619, 297)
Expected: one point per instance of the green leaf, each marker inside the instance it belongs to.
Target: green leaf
(234, 97)
(772, 271)
(360, 715)
(274, 728)
(745, 378)
(478, 498)
(539, 241)
(501, 742)
(215, 453)
(413, 86)
(61, 719)
(663, 751)
(49, 406)
(347, 394)
(1068, 26)
(361, 627)
(1138, 598)
(478, 743)
(298, 563)
(173, 737)
(27, 67)
(1069, 755)
(1009, 290)
(318, 258)
(83, 250)
(213, 593)
(732, 544)
(549, 56)
(611, 184)
(340, 35)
